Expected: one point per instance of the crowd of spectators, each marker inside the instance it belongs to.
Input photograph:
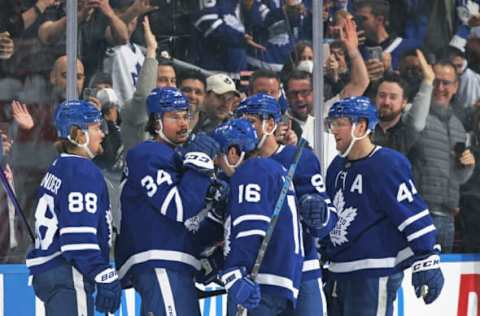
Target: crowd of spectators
(421, 69)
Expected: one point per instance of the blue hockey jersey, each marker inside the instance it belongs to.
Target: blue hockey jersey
(72, 218)
(307, 179)
(157, 198)
(383, 223)
(254, 190)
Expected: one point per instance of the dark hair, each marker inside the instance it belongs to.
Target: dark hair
(192, 74)
(451, 52)
(396, 78)
(262, 73)
(151, 126)
(298, 75)
(378, 8)
(166, 62)
(447, 63)
(294, 56)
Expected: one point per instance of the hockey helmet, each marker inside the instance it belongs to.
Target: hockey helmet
(260, 104)
(75, 113)
(236, 132)
(355, 108)
(161, 100)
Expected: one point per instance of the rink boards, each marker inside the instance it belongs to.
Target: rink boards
(459, 296)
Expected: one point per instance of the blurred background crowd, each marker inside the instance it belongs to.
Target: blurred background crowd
(418, 60)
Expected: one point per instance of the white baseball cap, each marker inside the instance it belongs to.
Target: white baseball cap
(107, 97)
(221, 84)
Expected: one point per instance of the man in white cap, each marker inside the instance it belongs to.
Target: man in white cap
(220, 101)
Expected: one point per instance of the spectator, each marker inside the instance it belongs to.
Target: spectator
(410, 70)
(399, 127)
(125, 61)
(219, 104)
(193, 85)
(468, 86)
(470, 194)
(437, 169)
(99, 27)
(153, 74)
(267, 81)
(374, 15)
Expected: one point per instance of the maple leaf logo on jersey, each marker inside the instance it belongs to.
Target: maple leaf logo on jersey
(338, 235)
(226, 231)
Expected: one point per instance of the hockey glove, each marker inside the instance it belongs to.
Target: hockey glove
(217, 195)
(241, 290)
(198, 153)
(427, 278)
(315, 214)
(109, 291)
(211, 265)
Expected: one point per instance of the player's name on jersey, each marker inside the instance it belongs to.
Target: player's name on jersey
(51, 183)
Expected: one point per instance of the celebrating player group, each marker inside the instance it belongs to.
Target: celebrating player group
(235, 207)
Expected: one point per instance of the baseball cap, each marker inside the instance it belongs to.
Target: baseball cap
(221, 84)
(107, 97)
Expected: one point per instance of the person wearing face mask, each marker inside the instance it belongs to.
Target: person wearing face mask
(468, 86)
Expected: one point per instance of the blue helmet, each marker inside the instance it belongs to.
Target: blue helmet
(161, 100)
(75, 113)
(236, 132)
(260, 104)
(355, 108)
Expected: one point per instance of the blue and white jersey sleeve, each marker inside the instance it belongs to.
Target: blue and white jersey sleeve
(177, 194)
(404, 206)
(221, 24)
(84, 222)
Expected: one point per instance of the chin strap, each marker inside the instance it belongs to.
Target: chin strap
(265, 133)
(234, 166)
(162, 135)
(354, 139)
(84, 145)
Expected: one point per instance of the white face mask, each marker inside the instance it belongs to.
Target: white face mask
(305, 65)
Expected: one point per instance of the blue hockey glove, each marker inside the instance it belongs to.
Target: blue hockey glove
(217, 195)
(198, 153)
(210, 266)
(427, 278)
(315, 214)
(241, 290)
(109, 291)
(202, 143)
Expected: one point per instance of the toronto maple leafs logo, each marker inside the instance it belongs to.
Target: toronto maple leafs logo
(338, 235)
(226, 231)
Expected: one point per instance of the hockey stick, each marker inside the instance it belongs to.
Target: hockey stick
(276, 212)
(11, 195)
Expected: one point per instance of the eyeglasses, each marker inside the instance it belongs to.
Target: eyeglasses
(303, 93)
(446, 83)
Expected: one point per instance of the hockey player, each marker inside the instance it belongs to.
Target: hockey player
(317, 212)
(255, 186)
(161, 197)
(73, 222)
(383, 225)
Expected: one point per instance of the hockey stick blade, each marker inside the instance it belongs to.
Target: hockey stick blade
(276, 212)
